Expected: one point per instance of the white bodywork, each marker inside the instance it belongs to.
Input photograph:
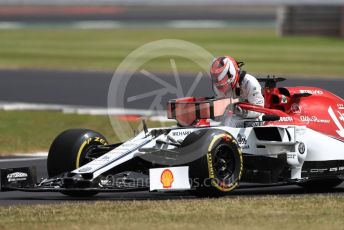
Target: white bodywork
(299, 143)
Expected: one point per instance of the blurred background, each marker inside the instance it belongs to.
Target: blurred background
(60, 55)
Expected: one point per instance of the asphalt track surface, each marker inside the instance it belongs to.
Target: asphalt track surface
(66, 14)
(91, 88)
(26, 198)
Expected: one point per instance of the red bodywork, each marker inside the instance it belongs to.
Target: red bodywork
(315, 108)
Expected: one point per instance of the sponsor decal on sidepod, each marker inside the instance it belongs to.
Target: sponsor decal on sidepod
(313, 119)
(181, 133)
(242, 141)
(172, 178)
(317, 92)
(16, 176)
(286, 119)
(166, 178)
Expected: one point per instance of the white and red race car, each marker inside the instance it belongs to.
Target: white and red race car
(299, 140)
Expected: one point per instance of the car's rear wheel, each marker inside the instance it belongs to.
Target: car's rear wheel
(69, 151)
(223, 165)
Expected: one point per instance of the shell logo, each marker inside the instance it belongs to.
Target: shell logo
(166, 178)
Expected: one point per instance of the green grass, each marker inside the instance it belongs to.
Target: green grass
(261, 49)
(316, 212)
(28, 131)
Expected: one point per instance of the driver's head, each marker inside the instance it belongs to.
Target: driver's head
(224, 73)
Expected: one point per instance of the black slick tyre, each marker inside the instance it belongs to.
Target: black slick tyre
(223, 166)
(68, 152)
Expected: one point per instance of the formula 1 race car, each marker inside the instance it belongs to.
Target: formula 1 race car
(299, 140)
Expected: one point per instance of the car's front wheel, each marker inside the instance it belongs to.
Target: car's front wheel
(223, 165)
(69, 151)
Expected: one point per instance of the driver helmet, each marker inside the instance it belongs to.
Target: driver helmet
(224, 73)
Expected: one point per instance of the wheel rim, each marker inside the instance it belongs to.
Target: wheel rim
(224, 163)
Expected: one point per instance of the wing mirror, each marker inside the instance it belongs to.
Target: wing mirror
(298, 95)
(270, 117)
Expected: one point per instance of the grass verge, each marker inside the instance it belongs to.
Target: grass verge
(316, 212)
(261, 49)
(30, 131)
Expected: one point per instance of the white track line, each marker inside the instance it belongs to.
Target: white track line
(22, 159)
(81, 110)
(67, 109)
(168, 3)
(107, 24)
(35, 155)
(16, 106)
